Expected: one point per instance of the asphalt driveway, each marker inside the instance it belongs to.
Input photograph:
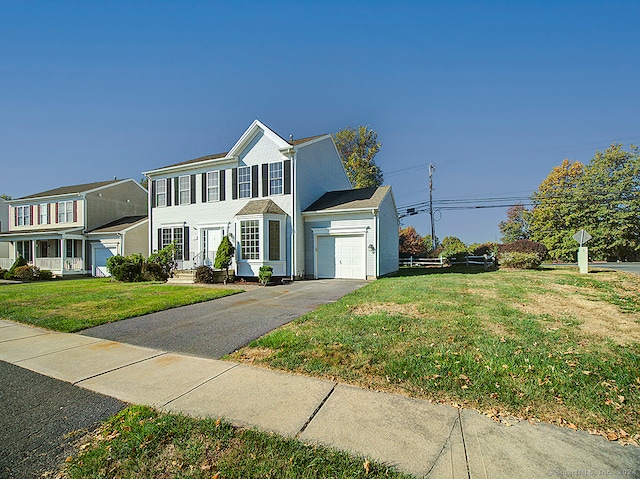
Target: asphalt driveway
(215, 328)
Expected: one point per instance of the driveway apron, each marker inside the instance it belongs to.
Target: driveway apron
(215, 328)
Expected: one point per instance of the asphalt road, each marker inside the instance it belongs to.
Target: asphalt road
(215, 328)
(633, 268)
(41, 418)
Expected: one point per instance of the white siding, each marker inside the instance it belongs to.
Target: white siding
(388, 241)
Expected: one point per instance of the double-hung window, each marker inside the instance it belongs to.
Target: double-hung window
(23, 215)
(275, 178)
(65, 211)
(184, 184)
(244, 182)
(44, 213)
(161, 192)
(250, 239)
(213, 186)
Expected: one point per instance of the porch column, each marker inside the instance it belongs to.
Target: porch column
(63, 254)
(32, 247)
(84, 254)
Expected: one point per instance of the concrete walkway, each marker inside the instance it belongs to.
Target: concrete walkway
(415, 436)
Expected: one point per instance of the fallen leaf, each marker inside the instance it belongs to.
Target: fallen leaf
(611, 436)
(367, 466)
(216, 476)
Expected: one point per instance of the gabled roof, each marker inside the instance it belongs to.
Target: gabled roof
(70, 190)
(260, 207)
(362, 198)
(120, 225)
(246, 137)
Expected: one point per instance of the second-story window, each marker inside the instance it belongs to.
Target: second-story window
(185, 190)
(44, 213)
(275, 178)
(23, 215)
(244, 182)
(161, 192)
(213, 186)
(65, 212)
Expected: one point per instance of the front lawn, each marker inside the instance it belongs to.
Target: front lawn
(139, 442)
(551, 345)
(73, 305)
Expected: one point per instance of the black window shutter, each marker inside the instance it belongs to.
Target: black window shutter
(167, 183)
(265, 179)
(222, 176)
(254, 181)
(287, 177)
(176, 190)
(159, 239)
(234, 183)
(192, 184)
(153, 193)
(204, 188)
(186, 243)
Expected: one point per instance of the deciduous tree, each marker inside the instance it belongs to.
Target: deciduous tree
(556, 217)
(411, 242)
(358, 147)
(517, 225)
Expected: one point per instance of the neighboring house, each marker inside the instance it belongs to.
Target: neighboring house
(70, 230)
(262, 195)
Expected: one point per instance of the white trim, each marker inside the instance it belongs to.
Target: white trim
(340, 212)
(191, 166)
(340, 230)
(250, 132)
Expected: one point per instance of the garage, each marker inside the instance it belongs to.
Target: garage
(100, 255)
(341, 256)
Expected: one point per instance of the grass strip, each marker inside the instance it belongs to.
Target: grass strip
(551, 345)
(140, 442)
(72, 305)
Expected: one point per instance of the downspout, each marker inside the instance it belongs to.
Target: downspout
(294, 216)
(149, 210)
(377, 252)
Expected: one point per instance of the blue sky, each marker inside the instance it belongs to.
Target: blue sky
(494, 94)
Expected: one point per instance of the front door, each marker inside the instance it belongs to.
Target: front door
(212, 240)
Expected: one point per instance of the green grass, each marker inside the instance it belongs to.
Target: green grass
(73, 305)
(505, 342)
(140, 442)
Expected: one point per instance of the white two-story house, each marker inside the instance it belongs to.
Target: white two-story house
(259, 194)
(72, 230)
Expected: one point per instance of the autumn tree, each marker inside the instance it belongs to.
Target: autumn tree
(516, 227)
(556, 217)
(602, 197)
(610, 203)
(357, 148)
(411, 242)
(5, 197)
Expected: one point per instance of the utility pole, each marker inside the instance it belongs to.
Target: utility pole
(433, 226)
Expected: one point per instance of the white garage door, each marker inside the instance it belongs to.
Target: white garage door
(101, 254)
(341, 257)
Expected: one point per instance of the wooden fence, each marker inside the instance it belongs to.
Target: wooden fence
(487, 261)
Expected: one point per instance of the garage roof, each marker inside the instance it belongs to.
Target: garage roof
(362, 198)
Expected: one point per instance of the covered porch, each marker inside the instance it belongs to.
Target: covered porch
(62, 253)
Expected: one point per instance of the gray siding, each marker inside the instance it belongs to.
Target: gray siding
(136, 240)
(115, 202)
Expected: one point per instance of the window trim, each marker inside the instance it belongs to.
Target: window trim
(65, 215)
(161, 194)
(274, 180)
(213, 192)
(182, 190)
(43, 216)
(244, 172)
(250, 240)
(23, 215)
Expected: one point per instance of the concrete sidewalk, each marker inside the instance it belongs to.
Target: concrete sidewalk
(415, 436)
